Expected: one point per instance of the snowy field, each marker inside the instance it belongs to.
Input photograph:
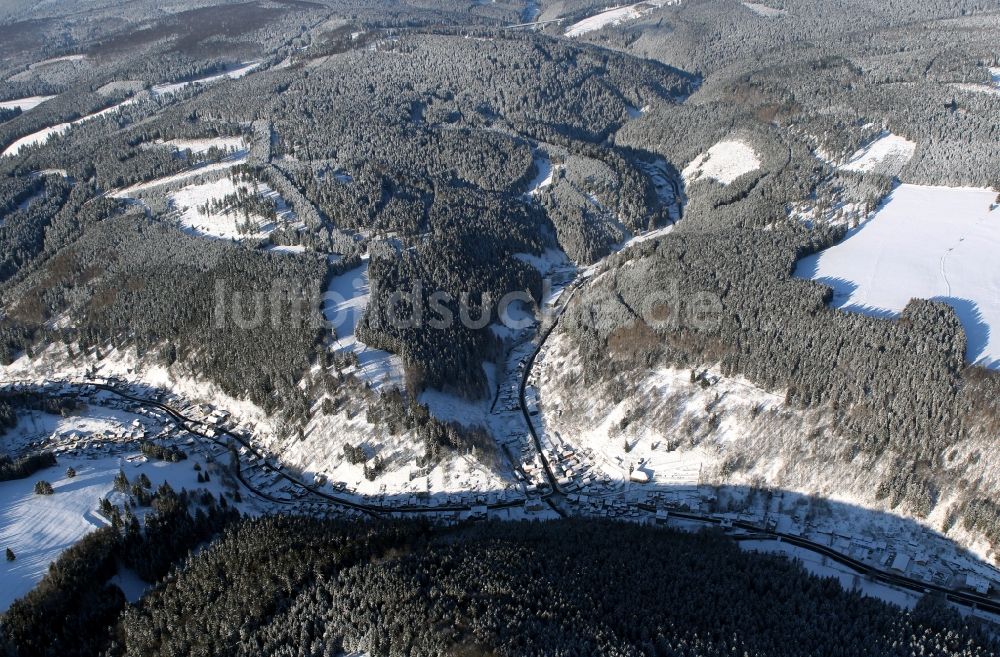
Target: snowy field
(230, 74)
(615, 16)
(24, 103)
(993, 87)
(724, 162)
(546, 173)
(37, 527)
(887, 154)
(925, 242)
(223, 226)
(764, 10)
(343, 306)
(197, 146)
(40, 137)
(229, 163)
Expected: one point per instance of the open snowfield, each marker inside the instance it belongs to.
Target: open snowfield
(56, 60)
(764, 10)
(887, 154)
(614, 16)
(546, 173)
(993, 87)
(38, 528)
(24, 103)
(229, 163)
(197, 146)
(724, 162)
(344, 304)
(221, 226)
(233, 73)
(927, 242)
(43, 135)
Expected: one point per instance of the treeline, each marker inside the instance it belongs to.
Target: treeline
(24, 466)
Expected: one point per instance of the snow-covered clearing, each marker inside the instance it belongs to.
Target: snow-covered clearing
(285, 248)
(24, 103)
(229, 163)
(887, 154)
(546, 173)
(189, 200)
(764, 10)
(926, 242)
(615, 16)
(230, 74)
(612, 447)
(197, 146)
(38, 528)
(724, 162)
(43, 135)
(993, 87)
(456, 476)
(56, 60)
(344, 305)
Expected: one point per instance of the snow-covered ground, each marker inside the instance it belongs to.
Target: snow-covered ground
(344, 305)
(38, 528)
(228, 163)
(993, 87)
(615, 16)
(56, 60)
(230, 74)
(222, 226)
(546, 172)
(724, 162)
(43, 135)
(602, 432)
(24, 103)
(764, 10)
(197, 146)
(887, 154)
(925, 242)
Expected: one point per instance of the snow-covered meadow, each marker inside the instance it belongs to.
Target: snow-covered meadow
(231, 73)
(24, 104)
(724, 162)
(38, 528)
(344, 305)
(887, 154)
(925, 242)
(615, 16)
(189, 202)
(41, 136)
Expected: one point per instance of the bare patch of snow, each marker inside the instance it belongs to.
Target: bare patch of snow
(230, 74)
(43, 135)
(24, 103)
(764, 10)
(345, 302)
(888, 153)
(546, 173)
(198, 146)
(615, 16)
(189, 201)
(724, 162)
(38, 528)
(927, 242)
(130, 192)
